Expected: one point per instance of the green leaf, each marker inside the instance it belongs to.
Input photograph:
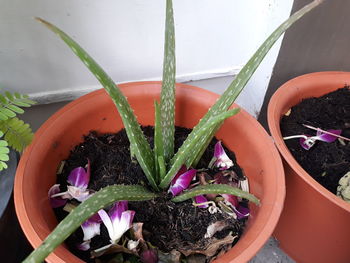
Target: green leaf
(9, 95)
(7, 112)
(167, 100)
(17, 133)
(158, 139)
(183, 155)
(215, 189)
(237, 85)
(138, 142)
(3, 166)
(14, 108)
(4, 157)
(85, 210)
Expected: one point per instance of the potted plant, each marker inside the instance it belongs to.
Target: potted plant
(160, 166)
(17, 135)
(302, 228)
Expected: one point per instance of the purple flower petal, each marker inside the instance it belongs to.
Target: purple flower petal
(149, 256)
(78, 193)
(79, 177)
(199, 199)
(241, 211)
(327, 137)
(232, 199)
(307, 143)
(182, 170)
(90, 228)
(84, 246)
(56, 201)
(117, 209)
(117, 226)
(182, 182)
(223, 162)
(106, 221)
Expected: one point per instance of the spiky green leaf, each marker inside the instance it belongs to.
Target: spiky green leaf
(215, 189)
(184, 154)
(85, 210)
(158, 140)
(167, 102)
(17, 133)
(237, 85)
(138, 142)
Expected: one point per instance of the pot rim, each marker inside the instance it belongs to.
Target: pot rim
(277, 195)
(273, 117)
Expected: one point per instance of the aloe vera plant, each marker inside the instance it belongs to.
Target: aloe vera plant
(161, 166)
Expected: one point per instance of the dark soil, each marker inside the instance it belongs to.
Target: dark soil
(325, 162)
(166, 225)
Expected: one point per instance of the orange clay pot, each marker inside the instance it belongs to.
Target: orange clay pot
(314, 225)
(242, 133)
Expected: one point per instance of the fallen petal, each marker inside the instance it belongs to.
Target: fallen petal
(56, 201)
(241, 211)
(307, 143)
(232, 199)
(122, 225)
(91, 228)
(84, 246)
(78, 193)
(182, 182)
(117, 209)
(149, 256)
(328, 137)
(79, 177)
(199, 199)
(182, 170)
(223, 162)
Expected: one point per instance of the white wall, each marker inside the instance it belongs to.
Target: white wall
(213, 38)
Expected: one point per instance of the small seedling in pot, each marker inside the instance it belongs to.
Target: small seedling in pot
(165, 170)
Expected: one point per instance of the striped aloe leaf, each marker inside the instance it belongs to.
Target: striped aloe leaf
(158, 140)
(85, 210)
(235, 88)
(183, 153)
(167, 101)
(215, 189)
(138, 142)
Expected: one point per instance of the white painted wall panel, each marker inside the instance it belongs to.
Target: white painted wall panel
(126, 38)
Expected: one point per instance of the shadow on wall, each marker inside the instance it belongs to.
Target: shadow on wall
(319, 42)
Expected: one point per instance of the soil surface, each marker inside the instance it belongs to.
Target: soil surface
(167, 225)
(325, 162)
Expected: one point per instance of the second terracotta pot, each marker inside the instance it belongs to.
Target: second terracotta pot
(314, 225)
(254, 150)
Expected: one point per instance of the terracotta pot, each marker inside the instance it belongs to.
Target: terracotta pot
(95, 111)
(314, 225)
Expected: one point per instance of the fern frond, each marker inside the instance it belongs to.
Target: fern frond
(17, 133)
(10, 104)
(84, 211)
(215, 189)
(4, 153)
(237, 85)
(138, 142)
(167, 99)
